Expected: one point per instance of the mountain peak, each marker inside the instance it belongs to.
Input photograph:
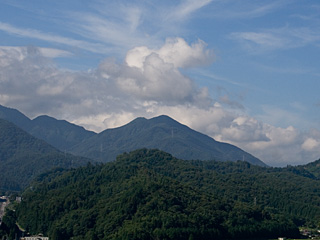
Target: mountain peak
(163, 119)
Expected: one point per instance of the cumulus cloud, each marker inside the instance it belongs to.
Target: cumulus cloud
(310, 144)
(153, 74)
(176, 51)
(148, 83)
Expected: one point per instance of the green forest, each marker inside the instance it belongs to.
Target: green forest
(148, 194)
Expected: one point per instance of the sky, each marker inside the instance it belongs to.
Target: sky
(244, 72)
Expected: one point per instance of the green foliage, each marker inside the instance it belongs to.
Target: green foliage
(148, 194)
(8, 228)
(311, 168)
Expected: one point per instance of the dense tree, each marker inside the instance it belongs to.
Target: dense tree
(148, 194)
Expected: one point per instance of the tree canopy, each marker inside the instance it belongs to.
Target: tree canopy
(148, 194)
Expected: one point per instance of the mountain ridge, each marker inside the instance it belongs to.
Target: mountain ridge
(163, 133)
(59, 133)
(160, 132)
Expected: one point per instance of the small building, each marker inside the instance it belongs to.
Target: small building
(37, 237)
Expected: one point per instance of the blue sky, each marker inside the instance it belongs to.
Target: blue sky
(244, 72)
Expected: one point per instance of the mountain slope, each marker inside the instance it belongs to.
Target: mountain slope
(311, 168)
(58, 133)
(16, 117)
(146, 195)
(22, 157)
(162, 133)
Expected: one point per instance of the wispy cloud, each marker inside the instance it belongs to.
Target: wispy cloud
(245, 9)
(35, 34)
(280, 38)
(45, 52)
(186, 8)
(125, 26)
(113, 27)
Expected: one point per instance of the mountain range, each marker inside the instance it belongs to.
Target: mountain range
(59, 133)
(161, 132)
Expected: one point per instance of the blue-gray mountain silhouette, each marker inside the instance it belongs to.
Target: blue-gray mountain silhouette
(162, 133)
(59, 133)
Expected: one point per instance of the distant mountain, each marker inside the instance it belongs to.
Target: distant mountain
(59, 133)
(16, 117)
(22, 157)
(162, 133)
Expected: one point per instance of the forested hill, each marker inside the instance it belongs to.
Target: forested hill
(22, 157)
(148, 194)
(163, 133)
(313, 168)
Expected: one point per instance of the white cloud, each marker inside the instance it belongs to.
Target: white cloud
(153, 74)
(176, 51)
(310, 144)
(244, 129)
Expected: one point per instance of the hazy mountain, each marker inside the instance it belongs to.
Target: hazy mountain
(59, 133)
(162, 133)
(16, 117)
(22, 157)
